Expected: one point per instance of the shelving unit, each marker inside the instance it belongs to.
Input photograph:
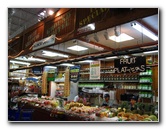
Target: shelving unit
(138, 83)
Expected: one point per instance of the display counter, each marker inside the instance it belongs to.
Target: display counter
(47, 109)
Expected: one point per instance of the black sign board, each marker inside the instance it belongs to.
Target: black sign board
(130, 65)
(74, 73)
(37, 70)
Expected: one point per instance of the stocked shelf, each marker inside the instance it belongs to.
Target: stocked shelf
(109, 81)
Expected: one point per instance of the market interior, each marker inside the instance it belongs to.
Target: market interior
(93, 58)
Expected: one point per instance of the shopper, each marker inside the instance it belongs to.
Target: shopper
(133, 102)
(107, 102)
(80, 98)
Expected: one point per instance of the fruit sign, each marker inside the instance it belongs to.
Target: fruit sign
(130, 65)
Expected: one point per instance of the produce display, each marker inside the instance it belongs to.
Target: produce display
(79, 110)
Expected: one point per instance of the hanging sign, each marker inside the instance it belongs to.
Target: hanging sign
(61, 25)
(74, 73)
(37, 70)
(44, 42)
(67, 83)
(33, 36)
(87, 28)
(95, 70)
(130, 65)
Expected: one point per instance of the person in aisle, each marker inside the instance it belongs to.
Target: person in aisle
(133, 102)
(80, 98)
(107, 102)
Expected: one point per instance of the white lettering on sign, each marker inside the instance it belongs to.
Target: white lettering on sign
(44, 42)
(128, 60)
(130, 69)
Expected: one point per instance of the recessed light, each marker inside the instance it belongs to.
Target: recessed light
(19, 62)
(121, 38)
(53, 54)
(77, 48)
(112, 57)
(149, 52)
(67, 64)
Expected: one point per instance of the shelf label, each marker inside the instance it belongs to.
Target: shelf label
(74, 73)
(95, 70)
(130, 65)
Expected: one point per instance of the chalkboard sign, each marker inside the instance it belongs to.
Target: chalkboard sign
(130, 65)
(74, 73)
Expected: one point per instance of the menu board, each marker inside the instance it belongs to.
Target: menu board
(130, 65)
(74, 73)
(95, 70)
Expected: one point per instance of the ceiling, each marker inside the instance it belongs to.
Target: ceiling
(25, 17)
(20, 19)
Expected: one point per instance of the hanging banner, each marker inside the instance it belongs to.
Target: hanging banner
(44, 83)
(61, 25)
(44, 42)
(95, 70)
(130, 65)
(67, 83)
(74, 73)
(33, 36)
(37, 70)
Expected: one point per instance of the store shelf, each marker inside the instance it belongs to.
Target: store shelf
(138, 90)
(145, 75)
(109, 81)
(146, 82)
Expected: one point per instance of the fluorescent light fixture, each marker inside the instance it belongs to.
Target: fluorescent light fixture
(149, 52)
(31, 59)
(126, 56)
(112, 57)
(51, 67)
(50, 12)
(19, 62)
(92, 26)
(77, 48)
(144, 31)
(148, 46)
(137, 54)
(86, 61)
(67, 64)
(53, 54)
(121, 38)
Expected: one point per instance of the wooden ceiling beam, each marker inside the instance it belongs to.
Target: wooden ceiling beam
(147, 26)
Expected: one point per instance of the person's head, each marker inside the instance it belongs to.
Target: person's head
(133, 100)
(106, 97)
(81, 94)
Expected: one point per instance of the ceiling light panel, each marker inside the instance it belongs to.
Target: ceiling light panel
(66, 64)
(121, 38)
(31, 59)
(53, 54)
(77, 48)
(19, 62)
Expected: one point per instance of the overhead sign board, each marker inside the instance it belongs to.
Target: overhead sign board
(130, 65)
(44, 42)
